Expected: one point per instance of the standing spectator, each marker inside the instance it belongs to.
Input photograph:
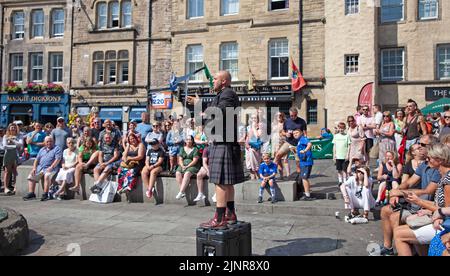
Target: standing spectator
(109, 129)
(262, 124)
(389, 175)
(386, 136)
(304, 154)
(414, 124)
(132, 161)
(378, 115)
(357, 192)
(61, 133)
(267, 172)
(45, 166)
(357, 138)
(445, 130)
(155, 134)
(13, 144)
(341, 142)
(153, 166)
(188, 165)
(292, 123)
(399, 123)
(67, 171)
(35, 140)
(93, 117)
(359, 112)
(48, 128)
(368, 124)
(95, 131)
(144, 128)
(174, 141)
(167, 126)
(85, 161)
(253, 147)
(202, 174)
(278, 138)
(108, 159)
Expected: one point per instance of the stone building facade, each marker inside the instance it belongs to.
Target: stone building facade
(254, 36)
(403, 49)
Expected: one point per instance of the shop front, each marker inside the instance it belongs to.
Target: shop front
(29, 107)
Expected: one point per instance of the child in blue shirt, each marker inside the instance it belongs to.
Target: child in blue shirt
(304, 153)
(267, 172)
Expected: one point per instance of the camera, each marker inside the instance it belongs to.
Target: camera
(402, 204)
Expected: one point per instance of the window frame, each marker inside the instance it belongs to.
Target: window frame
(222, 7)
(281, 9)
(120, 65)
(438, 63)
(197, 77)
(34, 25)
(98, 63)
(427, 18)
(15, 68)
(188, 9)
(58, 69)
(36, 68)
(102, 7)
(348, 64)
(112, 16)
(270, 60)
(223, 59)
(382, 65)
(57, 22)
(311, 113)
(15, 25)
(124, 15)
(352, 8)
(392, 21)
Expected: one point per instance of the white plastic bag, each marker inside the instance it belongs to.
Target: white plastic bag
(109, 190)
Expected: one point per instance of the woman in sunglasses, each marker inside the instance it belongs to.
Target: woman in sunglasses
(357, 138)
(386, 134)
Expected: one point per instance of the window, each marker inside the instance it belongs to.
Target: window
(278, 4)
(99, 69)
(392, 63)
(312, 112)
(194, 61)
(428, 9)
(102, 16)
(111, 68)
(56, 67)
(229, 59)
(279, 58)
(126, 14)
(58, 23)
(37, 63)
(351, 64)
(443, 62)
(123, 66)
(17, 67)
(351, 6)
(37, 28)
(195, 8)
(391, 10)
(229, 7)
(114, 14)
(18, 25)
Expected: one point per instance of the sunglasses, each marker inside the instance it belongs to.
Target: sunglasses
(446, 117)
(350, 121)
(423, 145)
(386, 116)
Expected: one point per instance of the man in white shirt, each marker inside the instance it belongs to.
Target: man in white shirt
(378, 115)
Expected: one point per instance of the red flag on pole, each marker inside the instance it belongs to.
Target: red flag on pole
(298, 82)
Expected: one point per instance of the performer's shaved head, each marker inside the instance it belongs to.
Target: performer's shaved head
(222, 80)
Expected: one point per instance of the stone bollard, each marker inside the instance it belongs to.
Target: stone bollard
(14, 234)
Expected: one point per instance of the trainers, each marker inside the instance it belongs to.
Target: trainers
(260, 199)
(274, 200)
(180, 195)
(359, 220)
(386, 251)
(29, 196)
(306, 198)
(214, 198)
(200, 197)
(45, 197)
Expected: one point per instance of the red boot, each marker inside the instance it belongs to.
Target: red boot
(215, 224)
(231, 217)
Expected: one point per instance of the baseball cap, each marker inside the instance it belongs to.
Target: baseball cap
(154, 141)
(19, 122)
(60, 118)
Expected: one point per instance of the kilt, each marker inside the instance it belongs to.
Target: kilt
(225, 164)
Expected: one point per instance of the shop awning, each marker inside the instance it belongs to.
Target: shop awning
(114, 114)
(135, 113)
(437, 106)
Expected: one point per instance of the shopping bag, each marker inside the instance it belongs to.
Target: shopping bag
(107, 194)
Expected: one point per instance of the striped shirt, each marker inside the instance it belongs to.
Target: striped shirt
(46, 157)
(440, 192)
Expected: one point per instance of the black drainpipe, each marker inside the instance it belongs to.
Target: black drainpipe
(149, 76)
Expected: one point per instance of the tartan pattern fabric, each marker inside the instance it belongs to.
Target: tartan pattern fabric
(225, 164)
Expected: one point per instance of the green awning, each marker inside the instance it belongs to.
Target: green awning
(437, 106)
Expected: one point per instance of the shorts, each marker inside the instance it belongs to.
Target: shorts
(369, 145)
(405, 214)
(113, 166)
(38, 177)
(425, 234)
(305, 172)
(286, 148)
(341, 165)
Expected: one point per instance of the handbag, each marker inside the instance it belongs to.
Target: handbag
(106, 194)
(129, 165)
(255, 143)
(375, 151)
(416, 221)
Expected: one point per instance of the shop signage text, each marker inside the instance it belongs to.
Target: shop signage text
(244, 89)
(436, 93)
(36, 99)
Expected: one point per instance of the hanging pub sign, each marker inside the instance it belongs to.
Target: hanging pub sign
(162, 100)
